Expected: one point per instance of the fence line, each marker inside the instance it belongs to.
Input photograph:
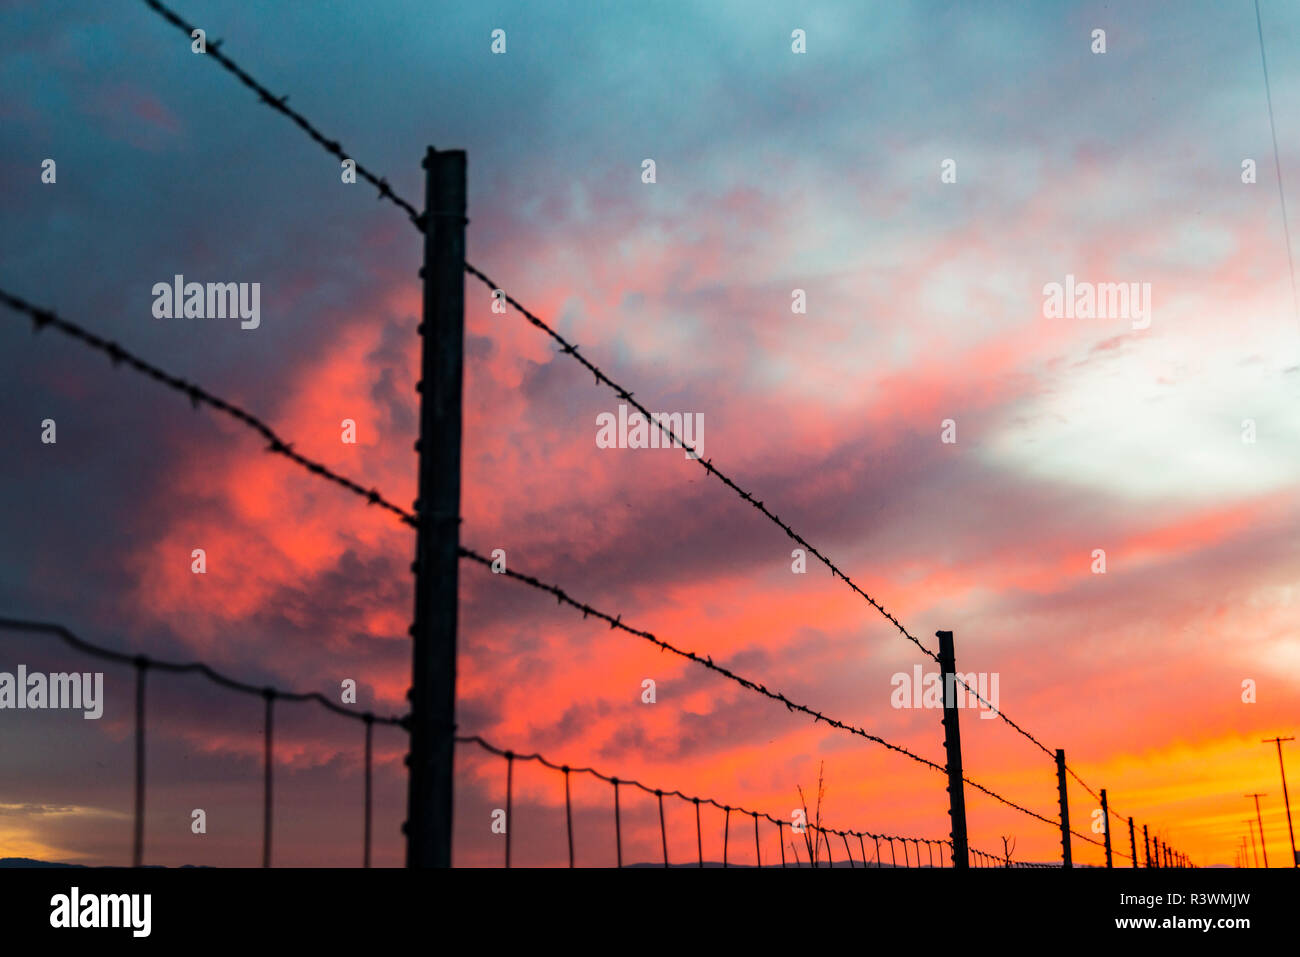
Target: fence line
(43, 318)
(386, 192)
(660, 793)
(143, 664)
(280, 105)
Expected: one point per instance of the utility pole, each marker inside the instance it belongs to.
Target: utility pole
(952, 748)
(1253, 850)
(1286, 799)
(1065, 808)
(1262, 846)
(1105, 819)
(433, 669)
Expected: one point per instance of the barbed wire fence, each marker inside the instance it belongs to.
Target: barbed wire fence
(961, 855)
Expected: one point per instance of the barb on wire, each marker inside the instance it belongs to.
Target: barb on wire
(1095, 796)
(43, 318)
(385, 191)
(568, 769)
(1010, 804)
(199, 667)
(616, 622)
(623, 394)
(281, 105)
(1084, 837)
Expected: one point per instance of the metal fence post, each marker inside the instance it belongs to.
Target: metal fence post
(433, 669)
(952, 747)
(1065, 808)
(1105, 818)
(1132, 843)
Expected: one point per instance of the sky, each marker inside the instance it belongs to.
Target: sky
(775, 171)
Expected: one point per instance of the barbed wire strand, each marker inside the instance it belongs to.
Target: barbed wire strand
(279, 104)
(142, 664)
(44, 318)
(601, 378)
(658, 793)
(197, 667)
(616, 622)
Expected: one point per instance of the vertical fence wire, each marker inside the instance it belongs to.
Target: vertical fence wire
(510, 782)
(370, 750)
(137, 844)
(699, 840)
(780, 839)
(618, 825)
(758, 854)
(269, 695)
(568, 813)
(726, 835)
(663, 829)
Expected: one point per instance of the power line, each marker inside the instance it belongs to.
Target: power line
(1277, 162)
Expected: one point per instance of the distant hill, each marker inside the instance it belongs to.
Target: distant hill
(29, 862)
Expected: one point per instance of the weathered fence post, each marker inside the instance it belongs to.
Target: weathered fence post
(1065, 808)
(433, 669)
(1105, 817)
(1132, 843)
(1147, 841)
(952, 748)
